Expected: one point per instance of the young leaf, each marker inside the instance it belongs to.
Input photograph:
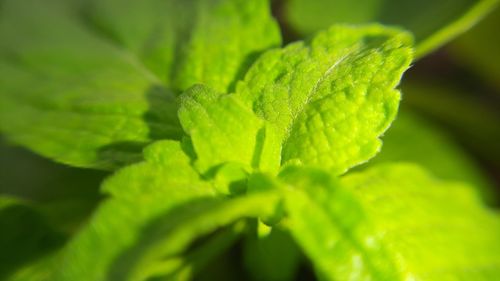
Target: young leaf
(392, 223)
(222, 129)
(87, 90)
(158, 208)
(433, 23)
(323, 102)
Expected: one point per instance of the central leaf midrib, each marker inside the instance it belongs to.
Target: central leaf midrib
(302, 108)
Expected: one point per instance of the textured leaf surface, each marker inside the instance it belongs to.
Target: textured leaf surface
(322, 102)
(158, 208)
(222, 129)
(433, 23)
(84, 86)
(392, 223)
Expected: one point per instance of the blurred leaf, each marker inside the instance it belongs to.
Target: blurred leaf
(159, 207)
(473, 120)
(273, 257)
(414, 139)
(47, 181)
(226, 267)
(26, 236)
(40, 269)
(478, 49)
(90, 87)
(186, 42)
(433, 23)
(141, 192)
(393, 222)
(197, 259)
(57, 199)
(65, 195)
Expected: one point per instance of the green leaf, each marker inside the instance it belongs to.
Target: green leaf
(322, 102)
(393, 222)
(196, 261)
(26, 236)
(140, 193)
(159, 207)
(222, 129)
(183, 43)
(66, 195)
(40, 269)
(161, 247)
(70, 95)
(83, 86)
(414, 139)
(433, 23)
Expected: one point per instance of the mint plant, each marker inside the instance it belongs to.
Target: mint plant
(432, 23)
(217, 133)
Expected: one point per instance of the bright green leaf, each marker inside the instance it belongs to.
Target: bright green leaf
(222, 129)
(84, 86)
(141, 192)
(322, 102)
(160, 250)
(330, 98)
(159, 207)
(434, 23)
(392, 223)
